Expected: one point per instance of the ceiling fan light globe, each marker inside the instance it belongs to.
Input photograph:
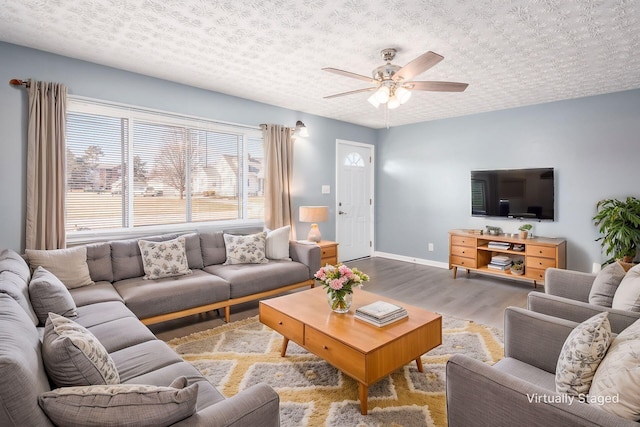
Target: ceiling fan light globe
(393, 103)
(374, 101)
(403, 94)
(382, 94)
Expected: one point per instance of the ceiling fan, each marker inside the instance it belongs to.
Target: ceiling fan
(393, 84)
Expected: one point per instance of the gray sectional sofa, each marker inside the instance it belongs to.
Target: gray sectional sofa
(115, 308)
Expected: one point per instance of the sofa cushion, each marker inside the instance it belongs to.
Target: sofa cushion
(249, 249)
(22, 375)
(99, 292)
(99, 262)
(102, 312)
(111, 336)
(73, 356)
(17, 288)
(213, 249)
(627, 296)
(68, 265)
(164, 259)
(207, 394)
(148, 298)
(143, 358)
(48, 294)
(247, 279)
(126, 259)
(278, 243)
(130, 404)
(605, 284)
(527, 372)
(13, 262)
(619, 375)
(194, 252)
(582, 352)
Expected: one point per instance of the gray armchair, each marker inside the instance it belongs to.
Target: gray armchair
(519, 389)
(567, 296)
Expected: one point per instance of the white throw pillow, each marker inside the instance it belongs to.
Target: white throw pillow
(627, 296)
(164, 259)
(249, 249)
(582, 352)
(68, 265)
(619, 376)
(278, 243)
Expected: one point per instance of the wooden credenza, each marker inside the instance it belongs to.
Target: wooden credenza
(471, 252)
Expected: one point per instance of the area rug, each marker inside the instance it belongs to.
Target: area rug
(313, 393)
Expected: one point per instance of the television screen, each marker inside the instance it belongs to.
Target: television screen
(513, 193)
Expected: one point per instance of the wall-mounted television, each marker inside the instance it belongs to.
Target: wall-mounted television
(513, 193)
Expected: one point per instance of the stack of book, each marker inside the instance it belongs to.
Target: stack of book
(500, 262)
(518, 247)
(498, 245)
(380, 313)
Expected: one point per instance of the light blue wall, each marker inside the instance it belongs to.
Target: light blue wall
(423, 184)
(314, 156)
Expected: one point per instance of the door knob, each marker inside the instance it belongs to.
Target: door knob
(341, 213)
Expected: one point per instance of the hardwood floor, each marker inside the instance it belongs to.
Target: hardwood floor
(474, 297)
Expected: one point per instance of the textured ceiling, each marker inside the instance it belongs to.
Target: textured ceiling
(512, 53)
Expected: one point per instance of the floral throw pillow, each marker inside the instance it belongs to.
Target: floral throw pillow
(164, 259)
(249, 249)
(581, 354)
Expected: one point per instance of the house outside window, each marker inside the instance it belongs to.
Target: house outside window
(132, 170)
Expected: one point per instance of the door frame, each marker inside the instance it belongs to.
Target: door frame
(372, 149)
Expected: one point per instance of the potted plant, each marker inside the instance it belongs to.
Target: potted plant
(619, 224)
(517, 267)
(524, 230)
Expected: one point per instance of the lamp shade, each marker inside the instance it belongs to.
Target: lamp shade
(314, 213)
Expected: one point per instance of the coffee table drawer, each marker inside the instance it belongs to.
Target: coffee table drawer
(286, 326)
(338, 354)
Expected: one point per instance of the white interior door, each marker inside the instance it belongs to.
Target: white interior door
(354, 200)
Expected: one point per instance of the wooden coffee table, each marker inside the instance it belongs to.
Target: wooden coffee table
(363, 351)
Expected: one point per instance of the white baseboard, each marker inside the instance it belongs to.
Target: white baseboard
(412, 259)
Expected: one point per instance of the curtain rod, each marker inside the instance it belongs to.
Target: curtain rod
(18, 82)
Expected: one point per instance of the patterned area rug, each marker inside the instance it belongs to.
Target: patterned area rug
(313, 393)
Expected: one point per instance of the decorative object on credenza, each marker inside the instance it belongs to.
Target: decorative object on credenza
(339, 282)
(493, 231)
(314, 214)
(524, 230)
(619, 224)
(517, 267)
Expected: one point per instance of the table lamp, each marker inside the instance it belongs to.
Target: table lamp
(314, 214)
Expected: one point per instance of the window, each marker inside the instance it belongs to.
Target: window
(354, 159)
(183, 170)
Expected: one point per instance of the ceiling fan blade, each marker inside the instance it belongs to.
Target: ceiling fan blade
(349, 74)
(437, 86)
(369, 89)
(418, 66)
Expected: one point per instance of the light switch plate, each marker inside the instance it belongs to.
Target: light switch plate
(326, 189)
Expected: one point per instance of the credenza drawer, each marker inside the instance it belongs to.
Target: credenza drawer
(281, 323)
(335, 352)
(540, 251)
(542, 263)
(463, 251)
(535, 274)
(463, 262)
(329, 251)
(463, 241)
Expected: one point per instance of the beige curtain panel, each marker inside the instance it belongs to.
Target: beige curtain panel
(46, 166)
(278, 148)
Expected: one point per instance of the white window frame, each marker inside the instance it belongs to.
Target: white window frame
(83, 105)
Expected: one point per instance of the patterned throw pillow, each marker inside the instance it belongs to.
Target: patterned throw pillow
(582, 352)
(164, 259)
(73, 356)
(139, 405)
(249, 249)
(619, 376)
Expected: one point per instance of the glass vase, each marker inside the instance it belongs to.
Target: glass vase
(339, 304)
